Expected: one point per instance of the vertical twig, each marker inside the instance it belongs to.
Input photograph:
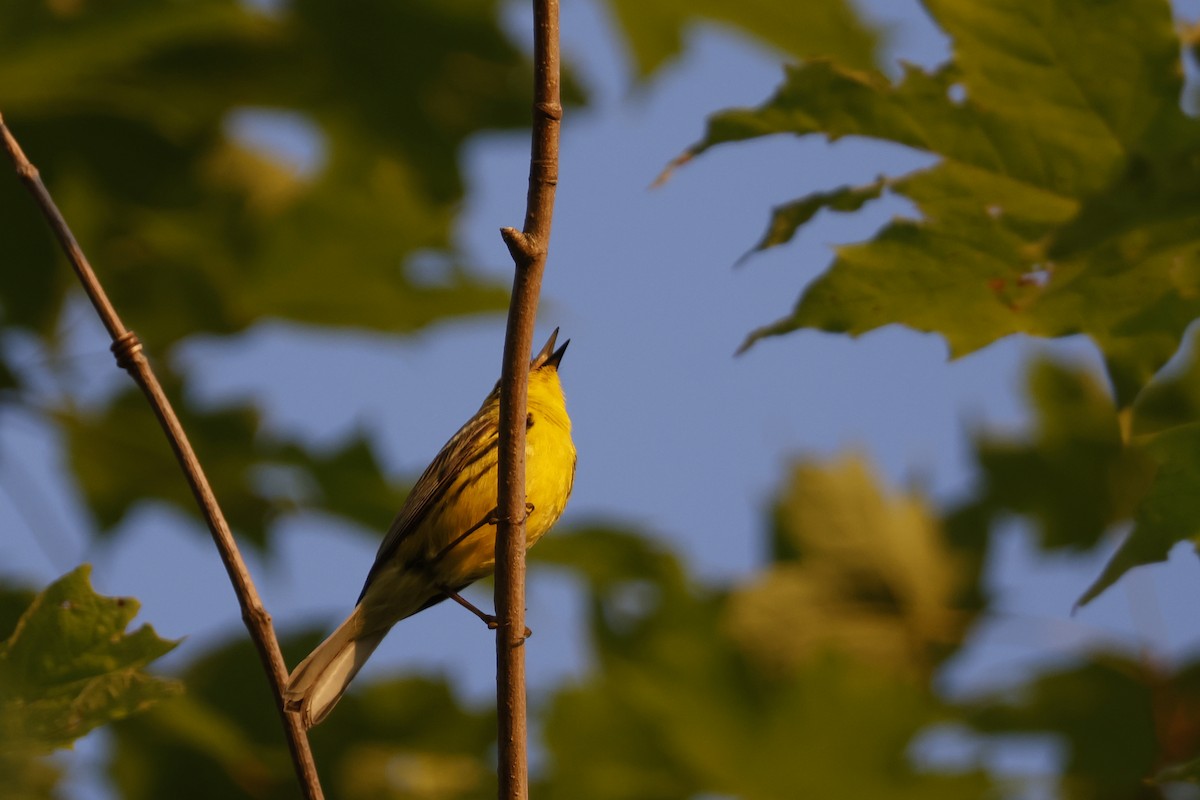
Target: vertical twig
(128, 352)
(528, 248)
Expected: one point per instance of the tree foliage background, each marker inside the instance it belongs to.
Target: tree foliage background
(1054, 194)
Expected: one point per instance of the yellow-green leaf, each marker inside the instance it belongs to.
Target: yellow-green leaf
(70, 666)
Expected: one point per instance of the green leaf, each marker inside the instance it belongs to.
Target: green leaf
(255, 479)
(69, 666)
(655, 30)
(1064, 199)
(790, 217)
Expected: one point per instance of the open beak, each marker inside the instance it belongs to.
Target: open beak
(548, 356)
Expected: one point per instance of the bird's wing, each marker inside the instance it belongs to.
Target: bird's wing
(475, 440)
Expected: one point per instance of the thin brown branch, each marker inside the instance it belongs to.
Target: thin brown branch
(129, 355)
(528, 248)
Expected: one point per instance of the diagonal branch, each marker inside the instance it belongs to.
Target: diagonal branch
(129, 355)
(528, 248)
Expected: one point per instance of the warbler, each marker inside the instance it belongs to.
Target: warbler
(444, 537)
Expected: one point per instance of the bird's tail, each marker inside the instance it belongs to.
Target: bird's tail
(316, 685)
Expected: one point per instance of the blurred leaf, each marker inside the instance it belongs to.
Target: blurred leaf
(655, 30)
(193, 229)
(223, 735)
(348, 481)
(1078, 476)
(1188, 772)
(631, 580)
(192, 232)
(1051, 115)
(255, 479)
(69, 666)
(677, 707)
(1118, 719)
(27, 778)
(408, 738)
(1072, 473)
(185, 731)
(8, 378)
(606, 556)
(127, 433)
(855, 571)
(30, 290)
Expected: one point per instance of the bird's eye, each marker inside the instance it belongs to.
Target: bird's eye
(528, 421)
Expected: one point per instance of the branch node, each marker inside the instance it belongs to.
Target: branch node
(544, 171)
(258, 615)
(127, 348)
(552, 111)
(25, 170)
(521, 246)
(520, 519)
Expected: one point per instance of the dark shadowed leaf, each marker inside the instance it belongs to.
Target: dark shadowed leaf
(8, 378)
(1173, 398)
(13, 603)
(404, 738)
(1085, 468)
(607, 555)
(1118, 719)
(347, 481)
(255, 479)
(1165, 427)
(125, 107)
(121, 457)
(26, 775)
(1072, 473)
(1170, 511)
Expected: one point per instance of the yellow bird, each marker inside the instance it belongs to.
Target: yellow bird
(444, 537)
